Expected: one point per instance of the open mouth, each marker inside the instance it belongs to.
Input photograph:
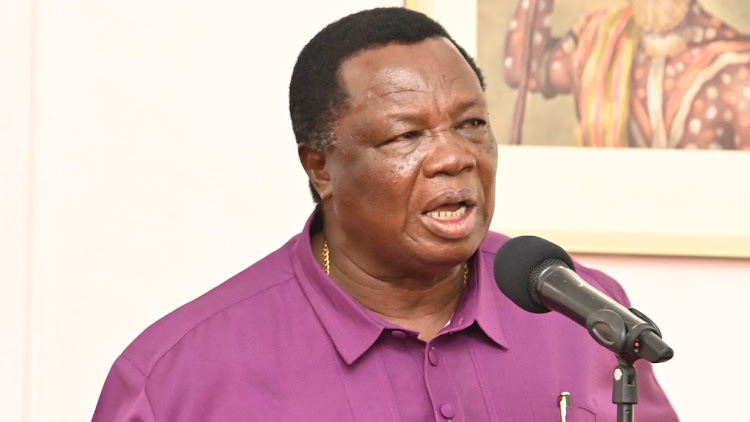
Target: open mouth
(453, 220)
(452, 214)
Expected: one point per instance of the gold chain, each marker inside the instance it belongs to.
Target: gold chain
(326, 255)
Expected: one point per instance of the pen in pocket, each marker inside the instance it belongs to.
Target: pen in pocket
(564, 402)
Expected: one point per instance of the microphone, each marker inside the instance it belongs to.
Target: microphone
(539, 276)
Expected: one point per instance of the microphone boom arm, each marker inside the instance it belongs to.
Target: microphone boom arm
(607, 325)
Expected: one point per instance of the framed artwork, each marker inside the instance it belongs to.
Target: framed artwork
(641, 189)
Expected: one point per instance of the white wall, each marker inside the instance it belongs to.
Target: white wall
(700, 304)
(15, 187)
(146, 155)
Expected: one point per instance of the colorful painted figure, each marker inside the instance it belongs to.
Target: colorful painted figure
(654, 73)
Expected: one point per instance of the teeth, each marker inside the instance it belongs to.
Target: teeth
(447, 215)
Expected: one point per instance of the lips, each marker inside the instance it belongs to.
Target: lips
(451, 201)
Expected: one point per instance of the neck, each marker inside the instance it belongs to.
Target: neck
(426, 309)
(665, 45)
(421, 303)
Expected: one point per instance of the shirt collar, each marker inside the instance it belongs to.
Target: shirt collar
(350, 326)
(353, 329)
(482, 300)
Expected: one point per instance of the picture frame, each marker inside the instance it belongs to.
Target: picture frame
(612, 200)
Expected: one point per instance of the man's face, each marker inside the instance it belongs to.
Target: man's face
(412, 167)
(659, 16)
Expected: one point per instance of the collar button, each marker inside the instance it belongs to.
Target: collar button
(399, 334)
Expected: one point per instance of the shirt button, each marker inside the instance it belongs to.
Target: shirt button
(399, 334)
(448, 411)
(432, 356)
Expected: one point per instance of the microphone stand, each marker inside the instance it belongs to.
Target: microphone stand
(625, 390)
(609, 330)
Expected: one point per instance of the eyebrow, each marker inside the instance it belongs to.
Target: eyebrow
(472, 102)
(400, 91)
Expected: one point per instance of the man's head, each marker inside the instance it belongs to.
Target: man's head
(406, 174)
(316, 95)
(659, 16)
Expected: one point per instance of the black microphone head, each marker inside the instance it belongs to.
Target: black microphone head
(518, 264)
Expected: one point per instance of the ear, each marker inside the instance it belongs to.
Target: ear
(314, 163)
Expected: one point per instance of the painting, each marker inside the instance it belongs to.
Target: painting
(668, 73)
(660, 105)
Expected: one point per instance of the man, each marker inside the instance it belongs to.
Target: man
(656, 74)
(384, 308)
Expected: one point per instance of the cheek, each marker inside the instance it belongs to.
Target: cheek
(492, 148)
(370, 175)
(393, 179)
(488, 168)
(493, 155)
(488, 152)
(403, 168)
(491, 137)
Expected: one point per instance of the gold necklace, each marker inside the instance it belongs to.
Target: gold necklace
(325, 254)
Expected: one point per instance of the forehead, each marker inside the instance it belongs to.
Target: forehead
(430, 66)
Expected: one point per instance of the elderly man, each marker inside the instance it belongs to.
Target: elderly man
(384, 307)
(655, 73)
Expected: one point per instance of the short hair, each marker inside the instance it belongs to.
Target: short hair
(316, 94)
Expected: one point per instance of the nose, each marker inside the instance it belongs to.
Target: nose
(449, 155)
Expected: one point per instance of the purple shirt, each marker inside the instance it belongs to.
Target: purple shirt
(280, 341)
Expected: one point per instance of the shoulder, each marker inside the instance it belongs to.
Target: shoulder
(252, 284)
(603, 282)
(734, 76)
(720, 53)
(492, 243)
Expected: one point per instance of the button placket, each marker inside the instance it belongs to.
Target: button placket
(440, 382)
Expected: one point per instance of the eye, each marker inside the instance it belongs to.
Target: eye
(403, 143)
(404, 137)
(472, 123)
(475, 130)
(408, 135)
